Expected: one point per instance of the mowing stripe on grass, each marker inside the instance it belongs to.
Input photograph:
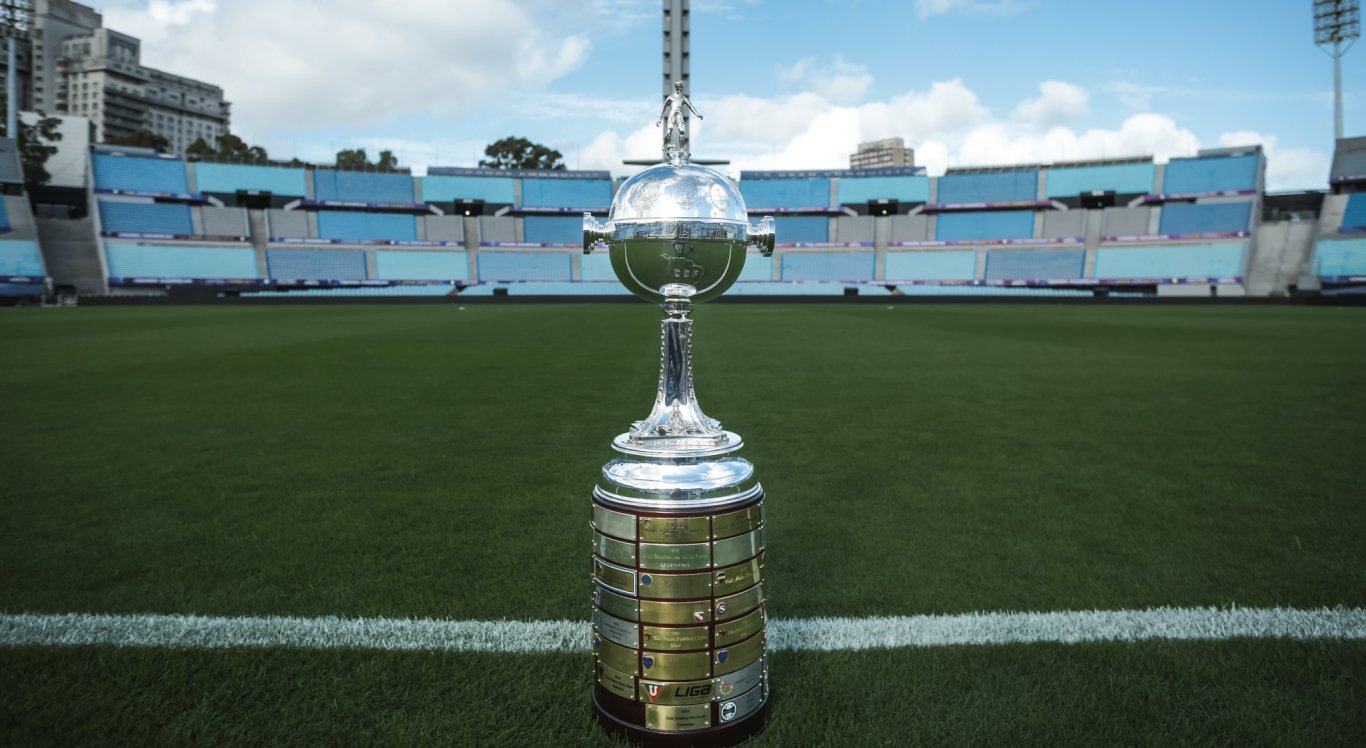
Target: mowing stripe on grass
(821, 634)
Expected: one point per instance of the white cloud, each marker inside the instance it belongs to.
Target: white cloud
(840, 81)
(1286, 168)
(1058, 103)
(927, 8)
(355, 62)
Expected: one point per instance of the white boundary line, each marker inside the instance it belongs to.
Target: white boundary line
(818, 634)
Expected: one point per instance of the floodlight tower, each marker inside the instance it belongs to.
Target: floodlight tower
(14, 26)
(675, 46)
(1337, 24)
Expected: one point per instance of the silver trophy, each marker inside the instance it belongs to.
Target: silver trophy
(678, 525)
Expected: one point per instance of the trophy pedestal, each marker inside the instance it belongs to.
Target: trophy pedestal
(679, 621)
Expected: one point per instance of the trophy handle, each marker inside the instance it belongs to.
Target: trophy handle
(596, 234)
(761, 235)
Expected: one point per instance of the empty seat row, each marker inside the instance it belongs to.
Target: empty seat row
(140, 174)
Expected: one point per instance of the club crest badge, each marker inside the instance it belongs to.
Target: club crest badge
(720, 608)
(728, 710)
(722, 656)
(653, 689)
(645, 580)
(726, 689)
(699, 616)
(648, 662)
(720, 577)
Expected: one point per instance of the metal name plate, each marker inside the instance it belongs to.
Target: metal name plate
(741, 706)
(616, 656)
(620, 606)
(688, 692)
(733, 658)
(739, 681)
(614, 523)
(738, 604)
(675, 613)
(619, 683)
(615, 629)
(735, 523)
(615, 577)
(672, 638)
(739, 548)
(675, 556)
(675, 665)
(616, 551)
(677, 718)
(675, 529)
(741, 628)
(675, 586)
(739, 576)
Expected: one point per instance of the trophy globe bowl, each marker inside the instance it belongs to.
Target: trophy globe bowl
(679, 594)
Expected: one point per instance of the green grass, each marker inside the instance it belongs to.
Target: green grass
(428, 461)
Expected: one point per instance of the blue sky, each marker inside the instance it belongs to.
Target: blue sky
(793, 84)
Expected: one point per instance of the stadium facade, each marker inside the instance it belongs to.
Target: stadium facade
(1197, 226)
(71, 65)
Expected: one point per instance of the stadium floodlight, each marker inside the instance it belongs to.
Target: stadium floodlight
(15, 17)
(1337, 24)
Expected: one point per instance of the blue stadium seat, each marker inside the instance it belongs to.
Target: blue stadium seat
(1203, 218)
(1200, 261)
(785, 193)
(1210, 174)
(316, 264)
(20, 258)
(931, 266)
(1120, 178)
(362, 186)
(4, 216)
(229, 178)
(834, 266)
(357, 291)
(757, 268)
(1354, 215)
(1035, 264)
(493, 190)
(857, 190)
(146, 218)
(164, 175)
(553, 230)
(528, 266)
(1343, 257)
(355, 226)
(421, 265)
(153, 261)
(802, 229)
(1004, 224)
(567, 193)
(994, 187)
(1020, 291)
(597, 267)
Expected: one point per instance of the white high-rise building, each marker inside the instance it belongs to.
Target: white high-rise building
(878, 154)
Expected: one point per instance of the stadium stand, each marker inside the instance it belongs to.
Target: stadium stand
(976, 226)
(141, 173)
(492, 190)
(757, 268)
(785, 194)
(1354, 216)
(352, 226)
(592, 191)
(910, 229)
(145, 218)
(288, 224)
(4, 216)
(854, 230)
(802, 230)
(443, 229)
(817, 266)
(500, 230)
(911, 190)
(1205, 218)
(152, 261)
(229, 178)
(1126, 221)
(316, 264)
(988, 187)
(1340, 260)
(420, 265)
(1212, 171)
(931, 266)
(1064, 224)
(1183, 262)
(524, 266)
(21, 257)
(598, 267)
(553, 230)
(1122, 179)
(1041, 264)
(223, 221)
(362, 186)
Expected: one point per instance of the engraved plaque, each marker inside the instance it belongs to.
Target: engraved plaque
(615, 577)
(677, 718)
(729, 632)
(616, 656)
(675, 613)
(614, 523)
(675, 556)
(732, 658)
(676, 637)
(675, 665)
(739, 681)
(675, 529)
(675, 586)
(619, 683)
(688, 692)
(737, 577)
(741, 706)
(615, 629)
(735, 523)
(739, 604)
(620, 606)
(616, 551)
(737, 549)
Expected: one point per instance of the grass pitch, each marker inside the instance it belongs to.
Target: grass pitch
(428, 461)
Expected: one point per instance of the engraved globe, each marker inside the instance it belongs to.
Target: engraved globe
(678, 224)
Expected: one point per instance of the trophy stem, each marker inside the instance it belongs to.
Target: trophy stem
(677, 421)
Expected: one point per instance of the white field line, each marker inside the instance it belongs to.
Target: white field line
(818, 634)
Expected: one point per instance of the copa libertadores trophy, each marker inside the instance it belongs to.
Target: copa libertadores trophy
(678, 518)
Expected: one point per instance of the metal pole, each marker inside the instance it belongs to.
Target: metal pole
(11, 92)
(1337, 90)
